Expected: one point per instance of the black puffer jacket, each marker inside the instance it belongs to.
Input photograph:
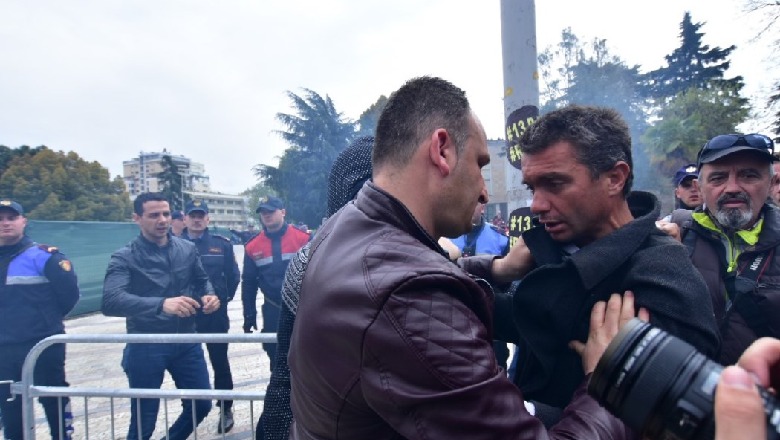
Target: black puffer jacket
(394, 341)
(142, 274)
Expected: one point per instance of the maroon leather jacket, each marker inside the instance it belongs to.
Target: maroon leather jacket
(394, 341)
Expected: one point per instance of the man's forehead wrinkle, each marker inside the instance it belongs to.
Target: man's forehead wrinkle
(548, 175)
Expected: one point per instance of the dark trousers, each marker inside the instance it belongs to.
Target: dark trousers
(218, 322)
(145, 366)
(270, 325)
(50, 371)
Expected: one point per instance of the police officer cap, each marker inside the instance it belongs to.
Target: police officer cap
(10, 204)
(686, 171)
(197, 205)
(177, 215)
(270, 203)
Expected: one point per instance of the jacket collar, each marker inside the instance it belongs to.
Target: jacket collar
(276, 234)
(148, 243)
(768, 236)
(770, 232)
(599, 259)
(25, 241)
(186, 234)
(381, 206)
(749, 236)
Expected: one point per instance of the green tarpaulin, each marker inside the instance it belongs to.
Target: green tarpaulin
(89, 245)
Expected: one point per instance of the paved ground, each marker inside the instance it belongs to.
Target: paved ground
(98, 365)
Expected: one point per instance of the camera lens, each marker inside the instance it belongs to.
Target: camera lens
(660, 386)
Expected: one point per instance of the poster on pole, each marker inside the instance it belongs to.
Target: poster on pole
(520, 220)
(516, 124)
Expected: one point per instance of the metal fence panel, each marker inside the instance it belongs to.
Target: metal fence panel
(28, 391)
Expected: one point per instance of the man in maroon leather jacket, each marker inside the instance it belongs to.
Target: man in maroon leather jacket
(392, 340)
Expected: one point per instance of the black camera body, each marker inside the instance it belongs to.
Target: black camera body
(662, 387)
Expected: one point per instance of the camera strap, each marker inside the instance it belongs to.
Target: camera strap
(742, 299)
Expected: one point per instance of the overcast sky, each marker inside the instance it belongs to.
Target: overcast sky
(108, 79)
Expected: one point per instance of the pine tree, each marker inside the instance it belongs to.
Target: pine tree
(316, 133)
(692, 65)
(172, 184)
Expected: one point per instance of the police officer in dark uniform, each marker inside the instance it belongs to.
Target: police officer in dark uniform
(216, 254)
(37, 289)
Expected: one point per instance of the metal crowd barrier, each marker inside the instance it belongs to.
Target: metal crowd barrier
(28, 391)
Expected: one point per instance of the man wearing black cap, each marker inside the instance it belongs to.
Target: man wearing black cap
(686, 194)
(266, 257)
(733, 239)
(216, 254)
(38, 289)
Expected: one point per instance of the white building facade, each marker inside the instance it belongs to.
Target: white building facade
(225, 210)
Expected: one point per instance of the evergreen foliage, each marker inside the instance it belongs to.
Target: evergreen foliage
(172, 183)
(61, 186)
(316, 133)
(693, 65)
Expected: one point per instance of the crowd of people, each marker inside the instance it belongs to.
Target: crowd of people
(393, 319)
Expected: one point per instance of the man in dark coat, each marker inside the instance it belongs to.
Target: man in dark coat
(594, 238)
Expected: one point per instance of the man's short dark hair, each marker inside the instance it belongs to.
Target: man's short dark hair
(413, 112)
(600, 137)
(138, 203)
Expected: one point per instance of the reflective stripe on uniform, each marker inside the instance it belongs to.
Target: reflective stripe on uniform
(268, 260)
(264, 261)
(26, 280)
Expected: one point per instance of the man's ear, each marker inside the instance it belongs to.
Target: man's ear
(136, 217)
(697, 185)
(617, 177)
(442, 151)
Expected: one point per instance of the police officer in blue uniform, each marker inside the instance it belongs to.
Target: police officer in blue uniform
(38, 289)
(216, 254)
(483, 238)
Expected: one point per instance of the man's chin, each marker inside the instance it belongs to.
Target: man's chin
(560, 236)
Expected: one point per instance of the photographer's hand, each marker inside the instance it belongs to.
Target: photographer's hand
(739, 410)
(605, 321)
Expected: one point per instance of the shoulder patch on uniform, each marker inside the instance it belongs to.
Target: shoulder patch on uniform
(47, 248)
(65, 265)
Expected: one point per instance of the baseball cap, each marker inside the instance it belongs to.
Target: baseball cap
(197, 205)
(177, 215)
(686, 171)
(270, 203)
(726, 144)
(10, 204)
